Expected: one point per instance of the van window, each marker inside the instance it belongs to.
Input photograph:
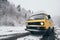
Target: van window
(37, 17)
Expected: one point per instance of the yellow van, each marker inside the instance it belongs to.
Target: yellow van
(39, 23)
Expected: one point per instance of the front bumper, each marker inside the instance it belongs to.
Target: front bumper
(35, 28)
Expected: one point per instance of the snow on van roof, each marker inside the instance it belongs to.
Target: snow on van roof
(41, 14)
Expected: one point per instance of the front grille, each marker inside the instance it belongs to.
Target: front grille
(34, 23)
(38, 28)
(32, 28)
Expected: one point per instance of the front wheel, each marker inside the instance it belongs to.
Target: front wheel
(49, 31)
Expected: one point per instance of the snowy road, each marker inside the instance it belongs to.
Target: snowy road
(12, 32)
(31, 37)
(35, 37)
(55, 36)
(19, 33)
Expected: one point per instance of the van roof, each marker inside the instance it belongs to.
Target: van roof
(41, 14)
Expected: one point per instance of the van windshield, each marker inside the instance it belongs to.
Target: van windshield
(37, 17)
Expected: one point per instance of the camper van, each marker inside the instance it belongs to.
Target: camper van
(40, 23)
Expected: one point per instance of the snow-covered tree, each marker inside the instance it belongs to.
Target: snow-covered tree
(11, 15)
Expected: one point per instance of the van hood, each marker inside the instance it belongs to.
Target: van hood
(35, 20)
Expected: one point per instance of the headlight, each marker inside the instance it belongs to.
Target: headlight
(42, 23)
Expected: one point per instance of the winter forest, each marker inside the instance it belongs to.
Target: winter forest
(11, 15)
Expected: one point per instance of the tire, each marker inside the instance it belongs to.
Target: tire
(47, 33)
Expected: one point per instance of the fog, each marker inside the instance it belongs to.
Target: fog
(52, 7)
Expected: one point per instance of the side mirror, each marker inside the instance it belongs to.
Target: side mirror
(49, 17)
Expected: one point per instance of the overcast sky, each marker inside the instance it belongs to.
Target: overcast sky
(50, 6)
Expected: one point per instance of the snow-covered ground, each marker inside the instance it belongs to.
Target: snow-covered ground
(8, 31)
(57, 31)
(11, 30)
(32, 37)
